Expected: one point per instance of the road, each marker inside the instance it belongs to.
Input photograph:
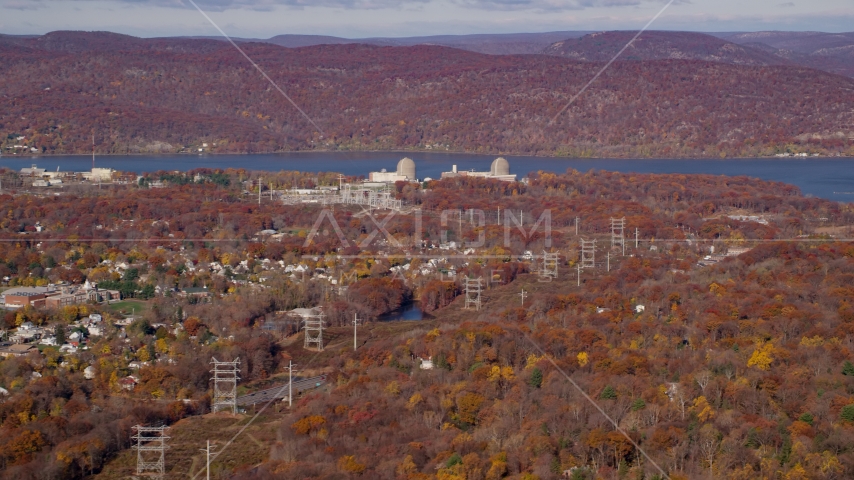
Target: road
(280, 391)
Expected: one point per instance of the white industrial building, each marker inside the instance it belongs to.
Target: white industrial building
(405, 173)
(499, 170)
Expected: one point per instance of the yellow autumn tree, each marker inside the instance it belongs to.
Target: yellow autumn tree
(497, 373)
(348, 464)
(702, 408)
(414, 400)
(717, 290)
(532, 361)
(762, 357)
(306, 424)
(583, 359)
(468, 406)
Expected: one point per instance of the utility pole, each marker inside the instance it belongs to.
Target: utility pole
(499, 216)
(355, 322)
(260, 185)
(524, 294)
(579, 273)
(608, 256)
(290, 384)
(636, 238)
(576, 226)
(207, 460)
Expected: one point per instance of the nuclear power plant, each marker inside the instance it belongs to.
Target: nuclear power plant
(405, 173)
(499, 170)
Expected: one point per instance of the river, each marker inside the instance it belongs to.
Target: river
(410, 311)
(831, 178)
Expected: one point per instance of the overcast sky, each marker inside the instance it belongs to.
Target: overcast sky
(395, 18)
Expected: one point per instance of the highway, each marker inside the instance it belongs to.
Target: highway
(280, 391)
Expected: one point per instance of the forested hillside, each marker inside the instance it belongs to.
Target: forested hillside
(603, 46)
(737, 368)
(168, 95)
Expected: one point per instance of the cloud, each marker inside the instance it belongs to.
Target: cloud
(787, 4)
(24, 4)
(267, 5)
(545, 5)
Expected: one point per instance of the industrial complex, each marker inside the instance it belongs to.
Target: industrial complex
(499, 170)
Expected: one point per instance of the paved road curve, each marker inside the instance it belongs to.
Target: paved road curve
(280, 391)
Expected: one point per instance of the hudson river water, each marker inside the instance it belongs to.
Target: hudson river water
(831, 178)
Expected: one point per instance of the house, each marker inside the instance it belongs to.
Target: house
(128, 383)
(426, 364)
(195, 292)
(17, 350)
(639, 308)
(27, 332)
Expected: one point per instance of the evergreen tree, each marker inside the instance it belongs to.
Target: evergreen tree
(59, 333)
(608, 393)
(536, 379)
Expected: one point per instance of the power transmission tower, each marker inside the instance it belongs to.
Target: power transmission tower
(473, 290)
(313, 327)
(618, 237)
(550, 261)
(524, 295)
(588, 253)
(225, 377)
(150, 451)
